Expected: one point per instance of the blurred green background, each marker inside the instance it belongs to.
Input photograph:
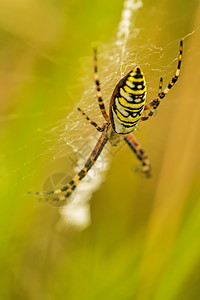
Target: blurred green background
(143, 242)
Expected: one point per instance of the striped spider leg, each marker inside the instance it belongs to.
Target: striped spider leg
(153, 105)
(145, 169)
(99, 95)
(62, 195)
(127, 104)
(66, 191)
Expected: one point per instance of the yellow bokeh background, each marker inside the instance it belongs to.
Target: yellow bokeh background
(143, 242)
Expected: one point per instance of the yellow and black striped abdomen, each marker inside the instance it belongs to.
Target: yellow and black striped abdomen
(127, 102)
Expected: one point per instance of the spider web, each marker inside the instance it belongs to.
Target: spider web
(72, 139)
(77, 212)
(119, 58)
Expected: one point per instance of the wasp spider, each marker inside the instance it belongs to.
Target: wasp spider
(127, 104)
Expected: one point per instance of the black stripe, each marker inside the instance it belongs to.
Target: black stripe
(162, 95)
(156, 102)
(131, 124)
(125, 122)
(101, 148)
(101, 105)
(169, 86)
(89, 163)
(141, 151)
(128, 126)
(144, 118)
(130, 144)
(156, 105)
(65, 188)
(174, 79)
(132, 113)
(68, 195)
(73, 187)
(135, 114)
(81, 174)
(138, 75)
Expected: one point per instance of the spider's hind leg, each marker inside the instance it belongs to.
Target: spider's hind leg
(153, 105)
(145, 169)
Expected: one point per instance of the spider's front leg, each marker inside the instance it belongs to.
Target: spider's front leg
(153, 105)
(140, 153)
(98, 88)
(98, 128)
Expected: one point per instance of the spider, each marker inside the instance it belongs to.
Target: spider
(126, 109)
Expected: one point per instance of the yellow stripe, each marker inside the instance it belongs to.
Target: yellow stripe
(119, 125)
(133, 73)
(137, 92)
(131, 105)
(128, 89)
(120, 108)
(138, 98)
(126, 119)
(130, 84)
(166, 90)
(57, 191)
(132, 79)
(125, 95)
(122, 102)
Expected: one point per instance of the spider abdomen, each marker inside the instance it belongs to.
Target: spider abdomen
(127, 102)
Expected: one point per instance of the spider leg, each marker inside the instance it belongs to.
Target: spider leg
(97, 82)
(160, 86)
(140, 153)
(100, 129)
(71, 186)
(153, 105)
